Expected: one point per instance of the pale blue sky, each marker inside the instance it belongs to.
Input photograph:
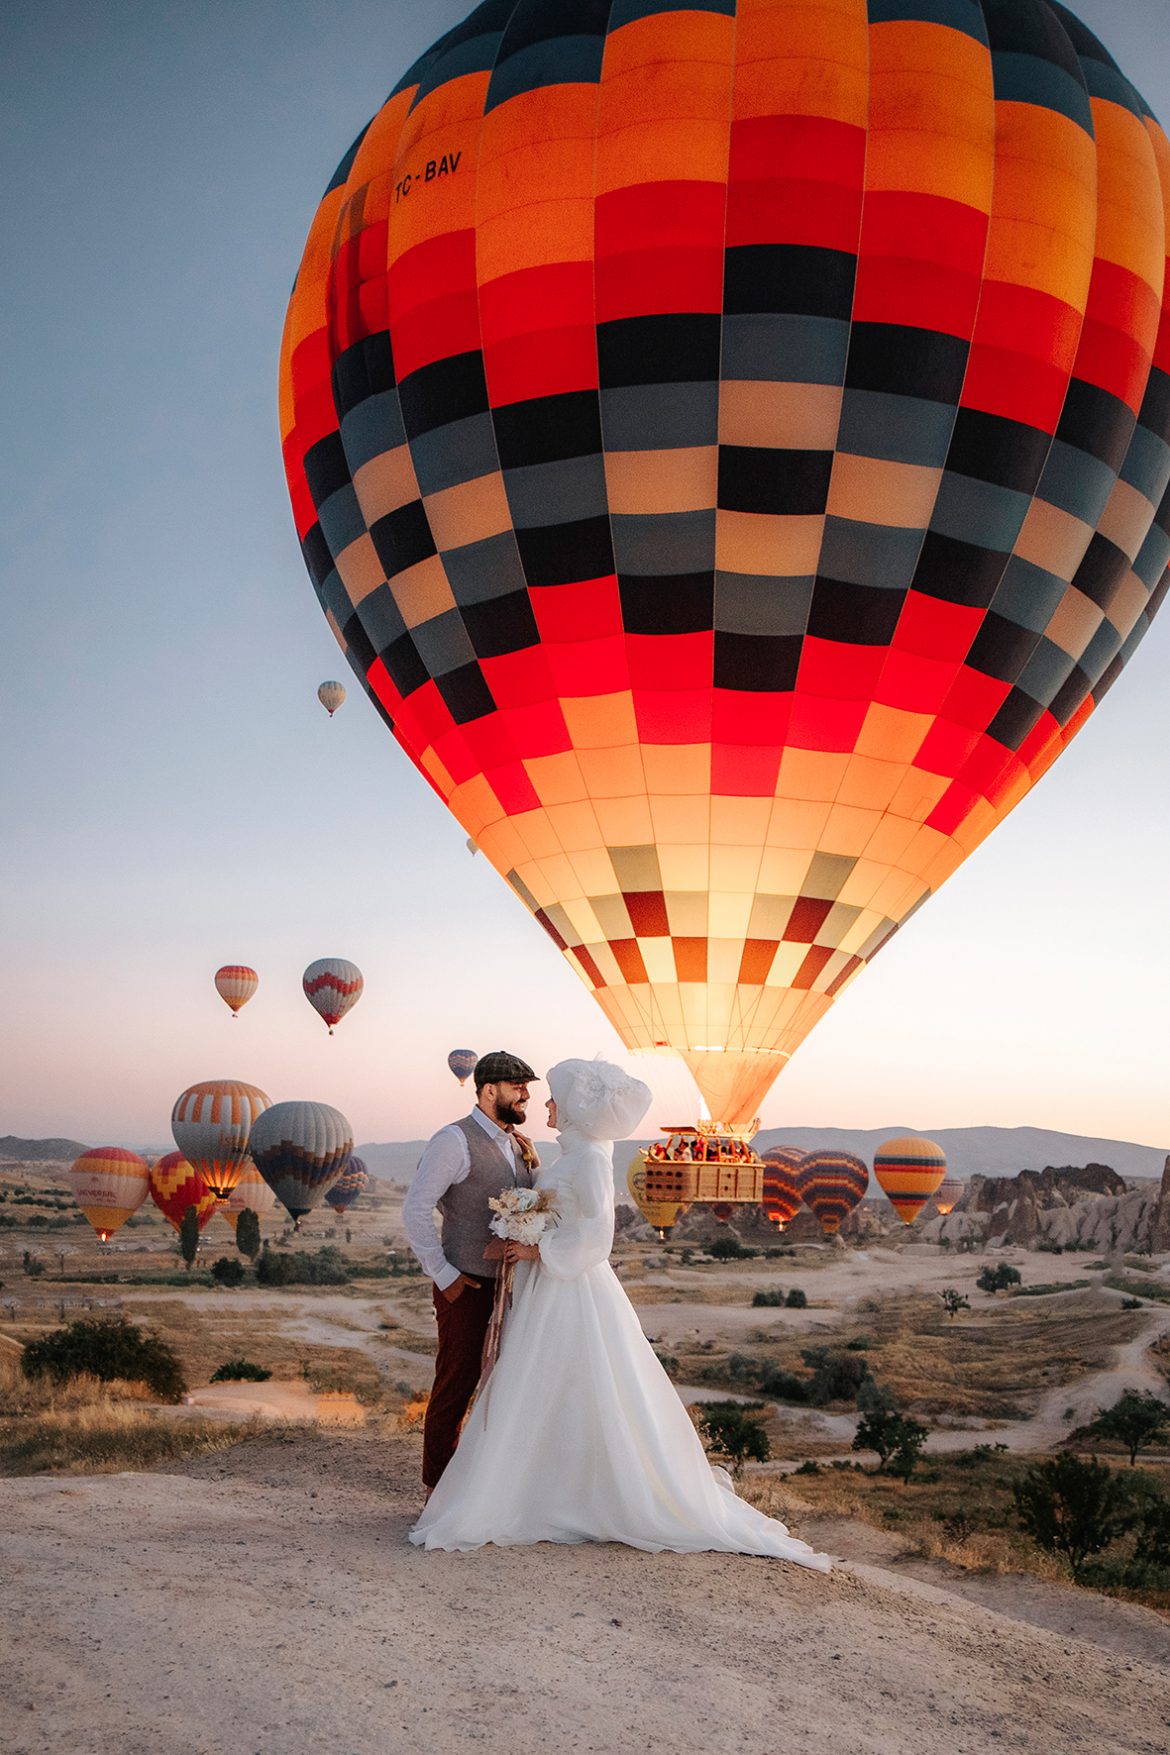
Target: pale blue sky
(176, 798)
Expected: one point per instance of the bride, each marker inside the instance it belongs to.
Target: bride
(578, 1434)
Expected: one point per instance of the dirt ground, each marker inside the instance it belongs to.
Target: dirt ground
(266, 1600)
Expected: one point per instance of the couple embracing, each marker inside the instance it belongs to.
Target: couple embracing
(577, 1434)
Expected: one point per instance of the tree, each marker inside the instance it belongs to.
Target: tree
(106, 1348)
(1072, 1507)
(248, 1234)
(228, 1271)
(953, 1301)
(32, 1264)
(731, 1433)
(897, 1439)
(998, 1278)
(796, 1299)
(189, 1237)
(1137, 1421)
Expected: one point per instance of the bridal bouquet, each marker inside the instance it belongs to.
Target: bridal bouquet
(522, 1215)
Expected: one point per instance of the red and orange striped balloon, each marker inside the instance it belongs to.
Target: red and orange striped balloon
(909, 1170)
(109, 1184)
(831, 1183)
(729, 441)
(781, 1192)
(236, 983)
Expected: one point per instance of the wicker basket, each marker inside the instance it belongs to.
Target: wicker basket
(667, 1179)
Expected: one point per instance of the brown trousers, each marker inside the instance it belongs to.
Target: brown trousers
(463, 1328)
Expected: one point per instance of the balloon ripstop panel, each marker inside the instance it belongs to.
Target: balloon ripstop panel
(730, 444)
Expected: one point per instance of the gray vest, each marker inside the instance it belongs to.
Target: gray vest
(464, 1207)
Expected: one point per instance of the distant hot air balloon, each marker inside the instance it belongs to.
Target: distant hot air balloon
(462, 1063)
(175, 1186)
(721, 1212)
(211, 1123)
(781, 1194)
(250, 1191)
(662, 1215)
(948, 1193)
(332, 986)
(109, 1184)
(236, 983)
(909, 1170)
(732, 455)
(832, 1184)
(352, 1182)
(301, 1150)
(331, 696)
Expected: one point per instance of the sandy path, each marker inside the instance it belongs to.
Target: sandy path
(266, 1601)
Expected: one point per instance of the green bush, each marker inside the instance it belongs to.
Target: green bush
(106, 1348)
(228, 1271)
(1072, 1508)
(766, 1300)
(667, 1361)
(240, 1371)
(796, 1299)
(729, 1248)
(998, 1278)
(327, 1267)
(836, 1375)
(782, 1386)
(732, 1434)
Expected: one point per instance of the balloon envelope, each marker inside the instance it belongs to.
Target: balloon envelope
(109, 1184)
(236, 983)
(908, 1171)
(832, 1184)
(211, 1123)
(661, 1214)
(332, 987)
(731, 456)
(462, 1063)
(948, 1194)
(250, 1191)
(175, 1186)
(331, 696)
(354, 1179)
(301, 1150)
(781, 1194)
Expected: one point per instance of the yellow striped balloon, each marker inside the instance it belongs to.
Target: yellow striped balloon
(109, 1184)
(250, 1191)
(909, 1171)
(211, 1123)
(663, 1215)
(948, 1194)
(236, 983)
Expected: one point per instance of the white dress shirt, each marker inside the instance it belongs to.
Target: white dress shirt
(446, 1160)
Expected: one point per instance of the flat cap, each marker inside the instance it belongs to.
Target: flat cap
(501, 1068)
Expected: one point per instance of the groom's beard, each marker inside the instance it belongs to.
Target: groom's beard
(511, 1114)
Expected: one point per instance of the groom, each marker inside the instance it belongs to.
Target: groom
(463, 1166)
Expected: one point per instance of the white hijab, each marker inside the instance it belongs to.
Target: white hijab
(596, 1099)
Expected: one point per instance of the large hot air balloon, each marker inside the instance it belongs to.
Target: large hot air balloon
(250, 1191)
(331, 696)
(332, 986)
(236, 983)
(781, 1193)
(730, 446)
(831, 1183)
(462, 1063)
(301, 1150)
(175, 1186)
(354, 1179)
(109, 1184)
(211, 1123)
(661, 1215)
(908, 1172)
(948, 1193)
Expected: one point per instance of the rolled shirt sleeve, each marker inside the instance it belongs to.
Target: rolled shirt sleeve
(445, 1161)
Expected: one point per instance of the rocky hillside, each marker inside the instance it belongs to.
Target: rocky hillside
(40, 1151)
(1086, 1208)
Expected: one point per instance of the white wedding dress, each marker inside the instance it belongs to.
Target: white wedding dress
(579, 1434)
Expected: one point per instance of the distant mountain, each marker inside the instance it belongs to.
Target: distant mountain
(40, 1151)
(971, 1151)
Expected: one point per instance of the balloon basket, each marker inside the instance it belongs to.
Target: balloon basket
(708, 1162)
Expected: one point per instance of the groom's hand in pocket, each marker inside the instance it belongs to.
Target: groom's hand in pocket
(455, 1289)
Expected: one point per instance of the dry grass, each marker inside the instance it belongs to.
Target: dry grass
(88, 1427)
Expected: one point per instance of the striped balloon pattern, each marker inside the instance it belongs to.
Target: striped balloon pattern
(211, 1123)
(109, 1185)
(354, 1179)
(948, 1193)
(831, 1184)
(250, 1191)
(332, 987)
(175, 1186)
(462, 1063)
(301, 1150)
(729, 441)
(781, 1193)
(908, 1171)
(236, 983)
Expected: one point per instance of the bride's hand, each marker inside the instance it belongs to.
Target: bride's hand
(514, 1252)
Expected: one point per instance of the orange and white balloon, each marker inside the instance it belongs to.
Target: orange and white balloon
(109, 1185)
(236, 983)
(211, 1123)
(250, 1191)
